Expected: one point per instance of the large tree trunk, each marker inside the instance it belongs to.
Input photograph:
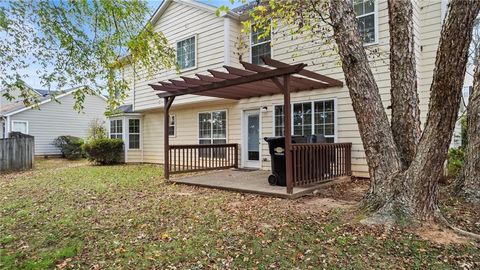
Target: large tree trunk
(403, 79)
(412, 193)
(468, 182)
(421, 178)
(380, 149)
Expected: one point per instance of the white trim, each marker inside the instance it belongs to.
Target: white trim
(21, 121)
(174, 126)
(211, 111)
(335, 123)
(7, 127)
(164, 5)
(244, 143)
(375, 23)
(68, 92)
(443, 10)
(116, 133)
(250, 42)
(226, 41)
(195, 36)
(127, 133)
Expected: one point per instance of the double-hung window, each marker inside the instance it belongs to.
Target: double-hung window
(260, 45)
(186, 53)
(309, 118)
(116, 129)
(212, 129)
(133, 133)
(172, 125)
(367, 25)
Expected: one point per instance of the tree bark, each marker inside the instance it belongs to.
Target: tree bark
(426, 169)
(412, 193)
(405, 120)
(380, 149)
(468, 182)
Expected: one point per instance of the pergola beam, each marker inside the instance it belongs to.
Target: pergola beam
(238, 81)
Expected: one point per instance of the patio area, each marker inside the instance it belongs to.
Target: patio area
(250, 181)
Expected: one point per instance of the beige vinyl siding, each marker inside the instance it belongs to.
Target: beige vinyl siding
(56, 119)
(178, 22)
(320, 58)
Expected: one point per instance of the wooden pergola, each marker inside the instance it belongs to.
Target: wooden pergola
(274, 77)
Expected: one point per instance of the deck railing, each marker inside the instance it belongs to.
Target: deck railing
(316, 163)
(202, 157)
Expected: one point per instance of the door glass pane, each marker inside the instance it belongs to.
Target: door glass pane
(253, 123)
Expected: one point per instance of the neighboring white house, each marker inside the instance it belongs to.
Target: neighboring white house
(205, 41)
(51, 118)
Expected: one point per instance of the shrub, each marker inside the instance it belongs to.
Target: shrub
(456, 157)
(70, 147)
(97, 130)
(104, 151)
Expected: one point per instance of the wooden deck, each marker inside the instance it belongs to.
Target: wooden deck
(247, 181)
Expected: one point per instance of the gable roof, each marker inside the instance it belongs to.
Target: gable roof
(36, 91)
(164, 5)
(47, 96)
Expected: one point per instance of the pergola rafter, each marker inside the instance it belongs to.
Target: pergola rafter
(274, 77)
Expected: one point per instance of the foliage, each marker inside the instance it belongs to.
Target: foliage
(97, 130)
(104, 151)
(70, 215)
(464, 130)
(70, 146)
(71, 43)
(456, 158)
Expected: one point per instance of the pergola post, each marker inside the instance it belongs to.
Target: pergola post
(166, 143)
(288, 133)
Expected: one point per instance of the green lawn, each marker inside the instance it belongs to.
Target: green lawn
(75, 215)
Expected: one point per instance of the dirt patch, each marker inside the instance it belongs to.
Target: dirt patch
(323, 204)
(439, 235)
(349, 191)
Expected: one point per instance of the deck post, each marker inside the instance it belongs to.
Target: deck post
(166, 143)
(288, 133)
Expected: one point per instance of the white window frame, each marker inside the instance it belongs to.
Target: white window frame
(116, 133)
(174, 126)
(251, 43)
(335, 118)
(22, 122)
(195, 36)
(211, 132)
(127, 133)
(375, 23)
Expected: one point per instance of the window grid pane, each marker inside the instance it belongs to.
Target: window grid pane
(171, 125)
(186, 53)
(322, 118)
(365, 11)
(260, 46)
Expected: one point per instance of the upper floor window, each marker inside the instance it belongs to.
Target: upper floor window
(116, 129)
(260, 45)
(367, 25)
(171, 126)
(186, 53)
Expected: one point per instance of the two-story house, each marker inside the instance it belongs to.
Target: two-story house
(205, 41)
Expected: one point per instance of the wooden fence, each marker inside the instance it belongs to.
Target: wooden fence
(316, 163)
(202, 157)
(17, 152)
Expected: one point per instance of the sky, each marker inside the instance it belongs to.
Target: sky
(33, 81)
